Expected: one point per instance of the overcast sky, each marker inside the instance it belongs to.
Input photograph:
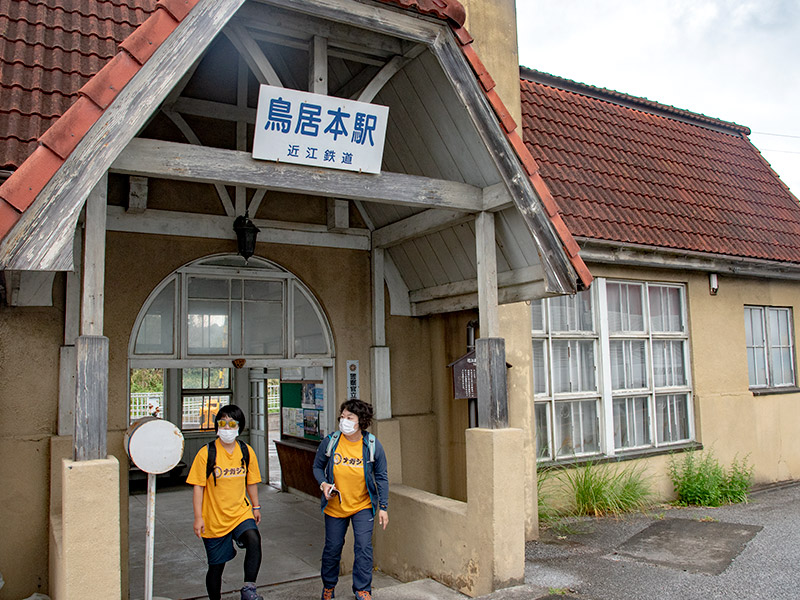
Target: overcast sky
(736, 60)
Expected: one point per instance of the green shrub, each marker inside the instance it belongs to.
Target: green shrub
(606, 489)
(701, 481)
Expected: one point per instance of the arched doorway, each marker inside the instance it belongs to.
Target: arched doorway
(223, 330)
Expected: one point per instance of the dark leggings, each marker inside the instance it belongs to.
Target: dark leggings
(251, 540)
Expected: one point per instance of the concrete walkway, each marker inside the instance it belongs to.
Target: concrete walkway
(748, 551)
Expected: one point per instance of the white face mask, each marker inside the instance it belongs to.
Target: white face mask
(228, 435)
(346, 426)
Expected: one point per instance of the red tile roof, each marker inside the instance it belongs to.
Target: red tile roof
(63, 61)
(628, 170)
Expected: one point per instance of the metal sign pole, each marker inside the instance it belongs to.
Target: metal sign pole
(150, 536)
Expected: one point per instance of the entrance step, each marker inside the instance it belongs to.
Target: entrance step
(424, 589)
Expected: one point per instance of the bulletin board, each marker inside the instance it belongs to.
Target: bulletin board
(302, 403)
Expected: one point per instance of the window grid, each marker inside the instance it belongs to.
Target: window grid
(654, 404)
(770, 346)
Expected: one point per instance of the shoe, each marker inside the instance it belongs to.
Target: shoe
(327, 593)
(249, 592)
(363, 595)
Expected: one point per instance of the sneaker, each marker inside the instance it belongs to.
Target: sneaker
(363, 595)
(249, 592)
(327, 593)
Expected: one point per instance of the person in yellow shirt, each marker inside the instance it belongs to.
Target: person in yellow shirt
(222, 512)
(350, 467)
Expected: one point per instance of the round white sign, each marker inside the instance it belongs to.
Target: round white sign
(154, 445)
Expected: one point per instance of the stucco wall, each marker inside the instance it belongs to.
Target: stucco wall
(29, 354)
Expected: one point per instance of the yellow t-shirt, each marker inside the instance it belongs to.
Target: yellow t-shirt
(225, 504)
(348, 475)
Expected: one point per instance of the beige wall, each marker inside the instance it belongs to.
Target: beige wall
(29, 354)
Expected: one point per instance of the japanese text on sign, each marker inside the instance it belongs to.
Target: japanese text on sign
(323, 131)
(352, 379)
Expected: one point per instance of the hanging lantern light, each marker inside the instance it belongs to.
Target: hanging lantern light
(246, 233)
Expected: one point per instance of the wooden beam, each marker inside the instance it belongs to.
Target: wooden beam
(507, 279)
(42, 238)
(378, 304)
(497, 198)
(165, 222)
(318, 65)
(249, 49)
(170, 160)
(255, 201)
(94, 260)
(338, 214)
(381, 77)
(137, 195)
(486, 250)
(422, 223)
(192, 138)
(364, 16)
(214, 110)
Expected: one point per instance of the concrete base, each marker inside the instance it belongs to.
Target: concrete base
(85, 548)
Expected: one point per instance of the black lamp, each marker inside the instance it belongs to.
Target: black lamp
(246, 233)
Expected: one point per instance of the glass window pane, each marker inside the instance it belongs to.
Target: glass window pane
(672, 418)
(156, 331)
(199, 412)
(309, 334)
(263, 328)
(666, 311)
(263, 290)
(542, 430)
(628, 366)
(573, 366)
(207, 288)
(576, 428)
(625, 307)
(631, 422)
(539, 367)
(207, 325)
(571, 313)
(668, 363)
(537, 315)
(147, 394)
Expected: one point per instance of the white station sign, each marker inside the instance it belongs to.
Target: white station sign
(320, 131)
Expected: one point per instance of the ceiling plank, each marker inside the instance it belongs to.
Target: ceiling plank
(185, 162)
(167, 222)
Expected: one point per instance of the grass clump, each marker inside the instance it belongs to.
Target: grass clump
(702, 481)
(606, 489)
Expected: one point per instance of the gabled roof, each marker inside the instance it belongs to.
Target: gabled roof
(631, 171)
(87, 30)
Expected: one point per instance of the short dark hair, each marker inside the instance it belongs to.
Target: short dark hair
(360, 409)
(232, 412)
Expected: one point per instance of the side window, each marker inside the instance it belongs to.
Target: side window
(770, 346)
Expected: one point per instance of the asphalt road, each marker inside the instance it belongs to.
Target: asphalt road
(586, 558)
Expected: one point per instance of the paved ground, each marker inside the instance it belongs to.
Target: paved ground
(748, 552)
(756, 544)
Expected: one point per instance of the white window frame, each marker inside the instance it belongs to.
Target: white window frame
(768, 346)
(605, 394)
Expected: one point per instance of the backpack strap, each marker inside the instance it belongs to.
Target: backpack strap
(211, 460)
(334, 437)
(371, 444)
(245, 457)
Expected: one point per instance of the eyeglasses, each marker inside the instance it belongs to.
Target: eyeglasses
(228, 424)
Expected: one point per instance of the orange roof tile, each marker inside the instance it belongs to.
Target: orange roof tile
(629, 170)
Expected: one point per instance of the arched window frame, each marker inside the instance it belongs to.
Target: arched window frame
(257, 268)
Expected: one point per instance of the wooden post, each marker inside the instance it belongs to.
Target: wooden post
(380, 380)
(486, 250)
(91, 397)
(91, 348)
(492, 383)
